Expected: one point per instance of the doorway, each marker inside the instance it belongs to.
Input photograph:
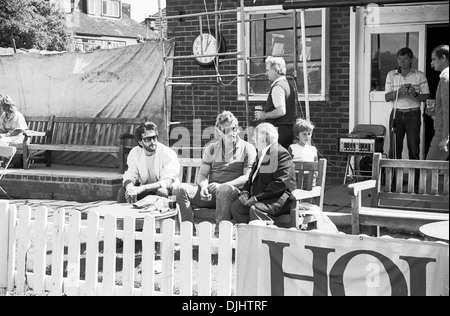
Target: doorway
(434, 38)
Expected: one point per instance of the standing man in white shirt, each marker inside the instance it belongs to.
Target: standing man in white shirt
(406, 87)
(280, 106)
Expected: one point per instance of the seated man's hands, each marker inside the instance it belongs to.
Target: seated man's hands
(243, 198)
(205, 194)
(132, 192)
(251, 201)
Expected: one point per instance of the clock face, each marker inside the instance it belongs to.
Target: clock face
(205, 44)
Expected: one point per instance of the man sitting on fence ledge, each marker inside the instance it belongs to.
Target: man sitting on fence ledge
(152, 167)
(266, 194)
(225, 167)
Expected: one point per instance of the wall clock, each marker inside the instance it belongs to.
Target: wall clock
(207, 44)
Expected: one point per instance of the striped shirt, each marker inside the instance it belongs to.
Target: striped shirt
(416, 78)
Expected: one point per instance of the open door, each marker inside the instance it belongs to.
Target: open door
(380, 56)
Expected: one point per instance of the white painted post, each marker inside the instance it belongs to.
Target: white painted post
(40, 250)
(91, 283)
(186, 258)
(225, 259)
(109, 255)
(204, 259)
(72, 283)
(56, 288)
(23, 242)
(167, 258)
(4, 233)
(12, 246)
(128, 256)
(148, 256)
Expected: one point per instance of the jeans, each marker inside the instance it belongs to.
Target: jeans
(188, 195)
(406, 123)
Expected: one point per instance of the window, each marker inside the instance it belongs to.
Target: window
(109, 8)
(384, 55)
(94, 7)
(270, 31)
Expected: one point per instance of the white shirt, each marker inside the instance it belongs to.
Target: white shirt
(416, 78)
(303, 153)
(278, 94)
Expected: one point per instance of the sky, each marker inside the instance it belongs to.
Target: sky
(140, 9)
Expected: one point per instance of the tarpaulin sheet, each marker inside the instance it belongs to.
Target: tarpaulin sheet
(125, 82)
(282, 262)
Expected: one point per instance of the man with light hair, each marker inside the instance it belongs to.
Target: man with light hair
(225, 167)
(266, 194)
(280, 108)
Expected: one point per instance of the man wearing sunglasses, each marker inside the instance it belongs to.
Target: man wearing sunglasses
(226, 165)
(153, 168)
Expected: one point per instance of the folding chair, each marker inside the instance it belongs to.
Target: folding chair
(8, 152)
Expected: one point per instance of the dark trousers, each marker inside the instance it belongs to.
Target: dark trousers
(405, 123)
(286, 135)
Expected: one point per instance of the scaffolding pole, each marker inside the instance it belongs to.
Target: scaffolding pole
(305, 63)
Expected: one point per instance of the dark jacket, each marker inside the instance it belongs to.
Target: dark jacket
(276, 176)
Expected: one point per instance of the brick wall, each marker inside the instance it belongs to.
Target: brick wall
(331, 117)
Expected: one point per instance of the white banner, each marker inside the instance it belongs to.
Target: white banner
(273, 262)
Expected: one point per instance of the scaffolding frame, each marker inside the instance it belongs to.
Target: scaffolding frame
(240, 55)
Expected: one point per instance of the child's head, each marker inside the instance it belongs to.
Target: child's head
(303, 131)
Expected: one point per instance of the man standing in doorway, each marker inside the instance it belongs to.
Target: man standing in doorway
(406, 87)
(439, 144)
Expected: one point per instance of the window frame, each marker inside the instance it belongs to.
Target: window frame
(325, 56)
(109, 8)
(95, 7)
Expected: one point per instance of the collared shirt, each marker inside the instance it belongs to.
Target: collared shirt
(278, 93)
(228, 164)
(261, 159)
(416, 78)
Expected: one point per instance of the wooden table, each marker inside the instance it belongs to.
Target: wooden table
(121, 210)
(437, 231)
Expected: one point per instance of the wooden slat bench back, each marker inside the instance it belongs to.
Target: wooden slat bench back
(405, 194)
(106, 135)
(397, 180)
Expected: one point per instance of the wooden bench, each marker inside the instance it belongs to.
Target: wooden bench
(102, 135)
(397, 200)
(39, 128)
(305, 192)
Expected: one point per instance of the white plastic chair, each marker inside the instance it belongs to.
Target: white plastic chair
(8, 152)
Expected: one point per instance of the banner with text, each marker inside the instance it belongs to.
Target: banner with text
(273, 262)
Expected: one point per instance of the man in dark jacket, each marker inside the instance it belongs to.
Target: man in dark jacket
(267, 192)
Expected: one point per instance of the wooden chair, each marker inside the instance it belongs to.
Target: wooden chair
(310, 189)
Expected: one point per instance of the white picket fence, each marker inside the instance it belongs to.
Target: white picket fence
(27, 245)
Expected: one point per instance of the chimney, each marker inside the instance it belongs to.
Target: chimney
(126, 10)
(150, 22)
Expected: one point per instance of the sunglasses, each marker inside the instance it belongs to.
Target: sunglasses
(149, 139)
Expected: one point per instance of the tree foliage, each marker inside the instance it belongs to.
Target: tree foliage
(39, 24)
